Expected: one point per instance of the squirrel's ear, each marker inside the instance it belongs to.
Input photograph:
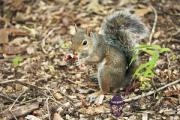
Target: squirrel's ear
(77, 29)
(88, 32)
(92, 35)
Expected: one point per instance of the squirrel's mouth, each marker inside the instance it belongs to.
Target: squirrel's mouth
(83, 54)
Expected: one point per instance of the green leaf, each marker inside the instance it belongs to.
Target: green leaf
(164, 50)
(146, 71)
(17, 60)
(174, 57)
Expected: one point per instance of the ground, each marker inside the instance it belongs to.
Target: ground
(36, 82)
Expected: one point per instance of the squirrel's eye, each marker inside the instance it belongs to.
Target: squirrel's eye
(84, 42)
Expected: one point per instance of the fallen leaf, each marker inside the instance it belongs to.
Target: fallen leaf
(95, 6)
(10, 50)
(4, 40)
(4, 21)
(124, 2)
(58, 96)
(4, 36)
(94, 110)
(30, 50)
(157, 34)
(17, 4)
(142, 11)
(32, 117)
(57, 116)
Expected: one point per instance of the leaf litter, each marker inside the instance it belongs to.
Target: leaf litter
(34, 56)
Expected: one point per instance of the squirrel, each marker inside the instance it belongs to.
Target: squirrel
(111, 49)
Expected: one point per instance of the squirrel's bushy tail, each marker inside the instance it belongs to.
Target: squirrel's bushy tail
(124, 30)
(122, 22)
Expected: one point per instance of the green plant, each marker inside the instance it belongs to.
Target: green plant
(146, 71)
(16, 61)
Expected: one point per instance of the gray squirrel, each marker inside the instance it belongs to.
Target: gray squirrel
(111, 49)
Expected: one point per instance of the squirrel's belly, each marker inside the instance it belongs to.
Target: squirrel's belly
(101, 65)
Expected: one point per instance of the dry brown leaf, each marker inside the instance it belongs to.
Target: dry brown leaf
(17, 4)
(4, 21)
(94, 110)
(58, 96)
(157, 34)
(4, 36)
(57, 116)
(32, 117)
(4, 40)
(95, 6)
(124, 2)
(13, 32)
(172, 91)
(11, 50)
(142, 11)
(30, 50)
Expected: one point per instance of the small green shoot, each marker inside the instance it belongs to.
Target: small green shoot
(16, 61)
(146, 71)
(65, 45)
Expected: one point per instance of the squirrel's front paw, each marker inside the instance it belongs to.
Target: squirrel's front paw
(81, 61)
(96, 97)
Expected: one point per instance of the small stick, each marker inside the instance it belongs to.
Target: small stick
(47, 103)
(151, 92)
(6, 97)
(16, 100)
(53, 98)
(19, 111)
(154, 24)
(37, 88)
(10, 81)
(13, 115)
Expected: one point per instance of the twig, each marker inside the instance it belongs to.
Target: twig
(6, 97)
(20, 111)
(44, 39)
(53, 98)
(21, 81)
(47, 103)
(16, 100)
(176, 33)
(10, 81)
(154, 24)
(10, 108)
(38, 88)
(13, 115)
(152, 92)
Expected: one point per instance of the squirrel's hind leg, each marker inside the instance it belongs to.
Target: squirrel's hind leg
(104, 84)
(104, 80)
